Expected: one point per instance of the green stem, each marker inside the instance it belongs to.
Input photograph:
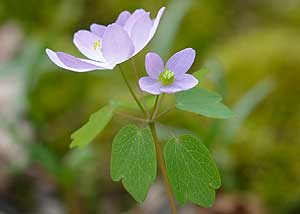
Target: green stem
(131, 90)
(164, 112)
(154, 107)
(159, 153)
(138, 119)
(161, 163)
(137, 79)
(135, 69)
(158, 100)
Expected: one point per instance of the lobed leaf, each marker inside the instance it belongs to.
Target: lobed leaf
(191, 170)
(133, 160)
(203, 102)
(93, 127)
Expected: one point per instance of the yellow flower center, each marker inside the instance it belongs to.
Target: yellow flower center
(97, 45)
(166, 77)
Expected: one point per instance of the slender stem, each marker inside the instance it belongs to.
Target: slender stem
(137, 76)
(165, 112)
(131, 91)
(162, 166)
(158, 100)
(135, 69)
(154, 107)
(138, 119)
(159, 153)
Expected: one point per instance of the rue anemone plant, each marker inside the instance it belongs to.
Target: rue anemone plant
(187, 168)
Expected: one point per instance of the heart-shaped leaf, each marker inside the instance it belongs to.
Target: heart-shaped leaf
(133, 160)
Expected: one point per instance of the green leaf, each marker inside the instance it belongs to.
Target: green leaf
(200, 74)
(191, 170)
(93, 127)
(203, 102)
(134, 160)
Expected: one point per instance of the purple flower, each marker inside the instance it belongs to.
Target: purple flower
(107, 46)
(171, 78)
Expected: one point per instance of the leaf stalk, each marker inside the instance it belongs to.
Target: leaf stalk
(162, 166)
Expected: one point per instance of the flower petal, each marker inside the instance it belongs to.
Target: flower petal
(72, 63)
(140, 32)
(136, 15)
(123, 17)
(184, 82)
(181, 61)
(84, 40)
(149, 85)
(154, 65)
(156, 22)
(170, 89)
(98, 29)
(116, 46)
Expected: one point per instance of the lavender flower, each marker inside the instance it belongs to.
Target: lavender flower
(171, 78)
(107, 46)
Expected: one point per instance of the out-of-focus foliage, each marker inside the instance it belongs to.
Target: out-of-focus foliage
(252, 52)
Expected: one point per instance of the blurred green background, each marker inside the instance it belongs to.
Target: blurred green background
(252, 51)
